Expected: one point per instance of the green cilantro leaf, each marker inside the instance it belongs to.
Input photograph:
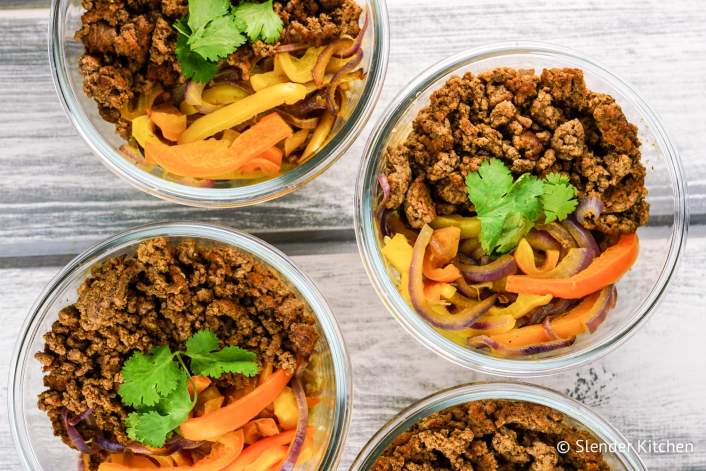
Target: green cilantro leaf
(148, 378)
(506, 210)
(217, 39)
(259, 21)
(153, 427)
(182, 26)
(205, 361)
(203, 11)
(194, 66)
(559, 198)
(487, 186)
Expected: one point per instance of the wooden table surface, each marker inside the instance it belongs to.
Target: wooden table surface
(56, 199)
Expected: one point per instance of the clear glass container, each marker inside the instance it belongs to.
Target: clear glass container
(101, 137)
(620, 455)
(40, 450)
(661, 241)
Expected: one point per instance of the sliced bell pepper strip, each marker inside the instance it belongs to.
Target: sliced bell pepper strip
(522, 305)
(253, 452)
(286, 410)
(242, 110)
(469, 226)
(299, 69)
(267, 459)
(295, 141)
(605, 270)
(524, 258)
(200, 159)
(223, 94)
(169, 120)
(318, 137)
(143, 130)
(228, 448)
(238, 413)
(442, 248)
(260, 138)
(201, 382)
(566, 326)
(269, 162)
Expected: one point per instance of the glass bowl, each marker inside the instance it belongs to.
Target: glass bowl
(39, 449)
(621, 455)
(662, 240)
(101, 137)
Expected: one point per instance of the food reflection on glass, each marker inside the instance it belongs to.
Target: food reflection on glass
(190, 356)
(495, 434)
(510, 210)
(215, 90)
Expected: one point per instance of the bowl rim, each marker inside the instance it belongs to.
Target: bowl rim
(366, 238)
(266, 253)
(223, 197)
(517, 391)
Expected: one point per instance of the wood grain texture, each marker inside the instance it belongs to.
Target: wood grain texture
(56, 197)
(651, 388)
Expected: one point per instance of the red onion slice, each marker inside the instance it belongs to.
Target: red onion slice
(339, 78)
(76, 439)
(297, 444)
(81, 417)
(380, 211)
(583, 237)
(605, 302)
(301, 123)
(492, 271)
(192, 96)
(548, 329)
(589, 210)
(554, 308)
(574, 261)
(560, 234)
(358, 41)
(494, 322)
(293, 47)
(541, 240)
(483, 341)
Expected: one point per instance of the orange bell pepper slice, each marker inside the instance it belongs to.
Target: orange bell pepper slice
(569, 325)
(200, 159)
(169, 120)
(442, 248)
(225, 451)
(269, 162)
(524, 258)
(238, 413)
(605, 270)
(269, 458)
(259, 138)
(201, 382)
(253, 452)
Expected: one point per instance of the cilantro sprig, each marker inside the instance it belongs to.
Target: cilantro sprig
(155, 384)
(214, 29)
(509, 208)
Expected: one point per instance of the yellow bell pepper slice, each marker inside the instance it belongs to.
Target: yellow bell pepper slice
(398, 251)
(143, 130)
(299, 69)
(223, 94)
(318, 137)
(240, 111)
(470, 226)
(295, 141)
(522, 305)
(267, 79)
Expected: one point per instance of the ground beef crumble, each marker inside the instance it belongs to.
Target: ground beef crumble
(537, 124)
(130, 44)
(491, 435)
(162, 295)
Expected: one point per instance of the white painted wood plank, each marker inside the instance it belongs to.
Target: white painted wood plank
(56, 197)
(651, 388)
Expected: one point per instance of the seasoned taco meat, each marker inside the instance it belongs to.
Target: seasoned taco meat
(491, 435)
(162, 295)
(537, 124)
(130, 45)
